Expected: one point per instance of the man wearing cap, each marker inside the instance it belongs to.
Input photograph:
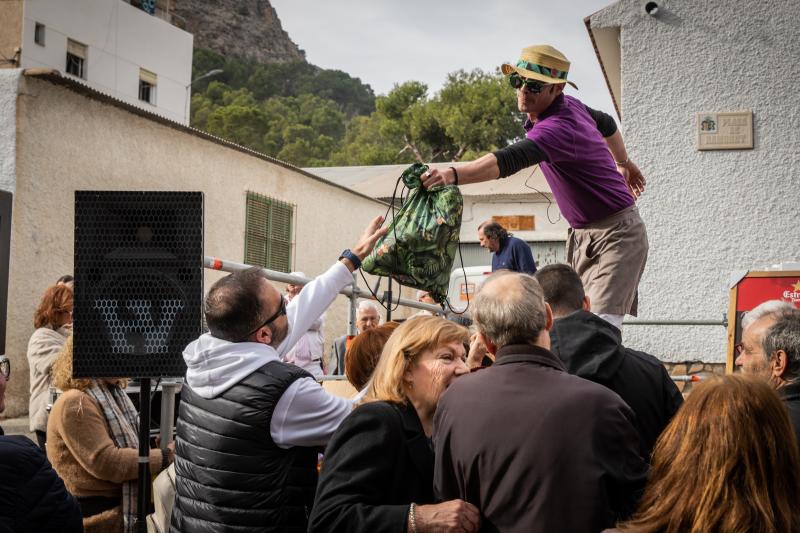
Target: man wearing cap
(583, 157)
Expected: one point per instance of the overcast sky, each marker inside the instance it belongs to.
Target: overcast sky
(384, 42)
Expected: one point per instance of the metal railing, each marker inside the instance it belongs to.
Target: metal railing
(353, 290)
(648, 322)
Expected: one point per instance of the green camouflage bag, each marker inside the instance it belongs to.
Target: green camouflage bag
(419, 249)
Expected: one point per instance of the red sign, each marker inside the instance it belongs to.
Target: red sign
(754, 291)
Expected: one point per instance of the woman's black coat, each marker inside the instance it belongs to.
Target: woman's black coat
(376, 464)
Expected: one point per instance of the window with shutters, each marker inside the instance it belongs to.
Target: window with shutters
(76, 59)
(268, 233)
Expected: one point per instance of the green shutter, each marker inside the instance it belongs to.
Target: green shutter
(268, 233)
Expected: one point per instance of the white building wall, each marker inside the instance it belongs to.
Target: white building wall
(708, 213)
(121, 39)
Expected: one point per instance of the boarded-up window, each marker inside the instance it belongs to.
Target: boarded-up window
(268, 233)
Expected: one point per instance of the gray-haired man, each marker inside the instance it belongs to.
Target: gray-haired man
(534, 448)
(367, 317)
(770, 348)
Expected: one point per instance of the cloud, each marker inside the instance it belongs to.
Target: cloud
(386, 42)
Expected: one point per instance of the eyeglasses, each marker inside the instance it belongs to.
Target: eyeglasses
(280, 312)
(5, 366)
(533, 86)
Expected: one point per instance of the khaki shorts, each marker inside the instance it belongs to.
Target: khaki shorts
(609, 256)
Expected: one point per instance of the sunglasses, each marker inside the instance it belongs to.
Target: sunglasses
(280, 312)
(5, 366)
(533, 86)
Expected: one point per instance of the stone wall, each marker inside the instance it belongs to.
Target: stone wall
(697, 369)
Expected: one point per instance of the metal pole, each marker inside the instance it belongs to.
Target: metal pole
(224, 265)
(168, 392)
(675, 323)
(143, 493)
(351, 319)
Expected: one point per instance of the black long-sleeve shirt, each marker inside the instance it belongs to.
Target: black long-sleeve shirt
(526, 153)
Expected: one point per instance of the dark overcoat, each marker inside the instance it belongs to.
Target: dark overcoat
(375, 465)
(591, 348)
(537, 449)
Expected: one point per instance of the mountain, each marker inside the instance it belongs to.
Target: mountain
(238, 29)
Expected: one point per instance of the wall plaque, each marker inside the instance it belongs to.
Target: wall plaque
(725, 131)
(516, 222)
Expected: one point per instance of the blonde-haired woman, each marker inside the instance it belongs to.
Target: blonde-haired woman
(92, 443)
(377, 474)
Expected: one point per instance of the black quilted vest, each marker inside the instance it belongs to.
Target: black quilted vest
(231, 476)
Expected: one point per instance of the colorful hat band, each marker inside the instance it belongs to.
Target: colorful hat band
(545, 71)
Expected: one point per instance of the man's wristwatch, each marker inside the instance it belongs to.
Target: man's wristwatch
(353, 258)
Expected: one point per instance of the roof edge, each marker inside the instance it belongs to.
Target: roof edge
(57, 78)
(588, 22)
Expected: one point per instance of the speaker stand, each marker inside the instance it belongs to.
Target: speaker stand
(143, 496)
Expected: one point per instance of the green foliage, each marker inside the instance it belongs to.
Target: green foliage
(310, 116)
(475, 112)
(283, 79)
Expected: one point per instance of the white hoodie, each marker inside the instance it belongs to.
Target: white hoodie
(305, 415)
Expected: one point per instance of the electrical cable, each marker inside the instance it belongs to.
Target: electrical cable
(549, 201)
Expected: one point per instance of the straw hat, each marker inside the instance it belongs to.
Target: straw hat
(540, 62)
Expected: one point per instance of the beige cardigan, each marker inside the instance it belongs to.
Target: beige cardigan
(43, 347)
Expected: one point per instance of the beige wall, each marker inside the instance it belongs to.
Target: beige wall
(10, 30)
(67, 141)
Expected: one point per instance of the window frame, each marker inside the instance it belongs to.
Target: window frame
(39, 33)
(80, 60)
(148, 81)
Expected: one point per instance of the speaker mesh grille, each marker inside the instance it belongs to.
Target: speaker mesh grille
(138, 282)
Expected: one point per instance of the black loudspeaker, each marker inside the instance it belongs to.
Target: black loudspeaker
(5, 254)
(138, 282)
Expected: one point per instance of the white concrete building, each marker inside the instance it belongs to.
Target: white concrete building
(708, 212)
(58, 136)
(112, 46)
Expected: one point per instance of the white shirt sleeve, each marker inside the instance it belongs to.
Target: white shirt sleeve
(313, 300)
(307, 415)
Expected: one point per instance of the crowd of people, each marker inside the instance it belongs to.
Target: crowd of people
(532, 417)
(535, 418)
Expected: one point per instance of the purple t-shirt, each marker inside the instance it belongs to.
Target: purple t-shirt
(579, 169)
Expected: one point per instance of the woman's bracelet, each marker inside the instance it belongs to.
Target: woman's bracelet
(623, 163)
(412, 517)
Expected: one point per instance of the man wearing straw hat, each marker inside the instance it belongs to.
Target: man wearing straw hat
(583, 157)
